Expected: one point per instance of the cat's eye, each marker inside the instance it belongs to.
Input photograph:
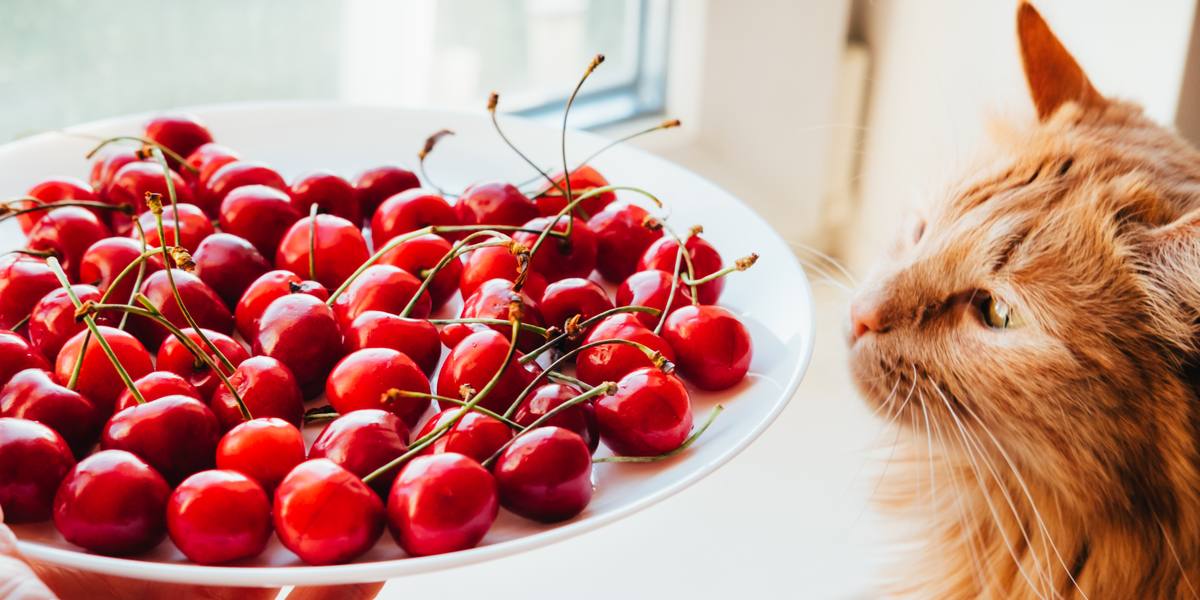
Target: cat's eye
(998, 314)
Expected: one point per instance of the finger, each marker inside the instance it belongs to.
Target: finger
(70, 583)
(16, 578)
(359, 591)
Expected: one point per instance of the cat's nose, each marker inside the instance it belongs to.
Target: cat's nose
(866, 316)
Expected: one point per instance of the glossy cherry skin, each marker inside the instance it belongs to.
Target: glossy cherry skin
(409, 211)
(474, 361)
(53, 190)
(301, 332)
(98, 380)
(53, 321)
(423, 253)
(713, 349)
(377, 184)
(191, 223)
(112, 503)
(652, 288)
(23, 281)
(545, 475)
(67, 232)
(362, 441)
(416, 338)
(623, 233)
(580, 418)
(134, 180)
(105, 167)
(268, 388)
(572, 297)
(494, 203)
(340, 246)
(325, 514)
(705, 260)
(558, 258)
(202, 303)
(158, 384)
(182, 134)
(496, 262)
(206, 159)
(331, 194)
(492, 301)
(476, 435)
(264, 290)
(219, 516)
(364, 377)
(177, 435)
(381, 287)
(550, 201)
(263, 449)
(173, 356)
(228, 264)
(611, 362)
(454, 333)
(259, 214)
(441, 503)
(234, 175)
(105, 259)
(16, 355)
(31, 394)
(649, 414)
(33, 461)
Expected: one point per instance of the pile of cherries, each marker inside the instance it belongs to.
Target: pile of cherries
(168, 324)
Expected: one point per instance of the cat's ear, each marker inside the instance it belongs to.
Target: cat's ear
(1170, 263)
(1053, 75)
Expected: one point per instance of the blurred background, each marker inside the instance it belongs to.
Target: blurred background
(829, 117)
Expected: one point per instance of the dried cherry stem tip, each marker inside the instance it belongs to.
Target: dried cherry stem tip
(738, 265)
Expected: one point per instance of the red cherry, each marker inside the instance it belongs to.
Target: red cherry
(53, 321)
(260, 214)
(155, 385)
(711, 345)
(201, 301)
(268, 388)
(362, 441)
(423, 253)
(476, 435)
(550, 201)
(545, 475)
(409, 211)
(381, 287)
(559, 258)
(441, 503)
(67, 232)
(301, 332)
(105, 168)
(191, 223)
(705, 260)
(325, 514)
(112, 503)
(23, 281)
(623, 233)
(649, 414)
(260, 294)
(98, 380)
(206, 159)
(228, 264)
(31, 394)
(572, 297)
(57, 189)
(580, 418)
(33, 461)
(454, 333)
(494, 203)
(16, 354)
(364, 378)
(234, 175)
(263, 449)
(134, 180)
(173, 356)
(181, 134)
(105, 259)
(331, 193)
(380, 183)
(474, 361)
(496, 262)
(340, 246)
(652, 288)
(611, 362)
(216, 517)
(416, 338)
(177, 435)
(492, 300)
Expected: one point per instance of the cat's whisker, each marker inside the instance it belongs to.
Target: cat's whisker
(828, 259)
(826, 274)
(966, 531)
(1175, 554)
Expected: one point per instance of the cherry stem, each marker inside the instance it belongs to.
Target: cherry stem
(482, 321)
(137, 281)
(599, 58)
(460, 247)
(145, 142)
(319, 414)
(662, 318)
(430, 142)
(583, 325)
(460, 402)
(739, 265)
(567, 379)
(158, 155)
(687, 258)
(492, 101)
(514, 312)
(23, 322)
(604, 389)
(712, 416)
(95, 331)
(668, 124)
(7, 213)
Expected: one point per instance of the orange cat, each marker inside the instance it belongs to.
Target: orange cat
(1036, 339)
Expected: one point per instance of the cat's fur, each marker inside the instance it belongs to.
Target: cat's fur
(1060, 458)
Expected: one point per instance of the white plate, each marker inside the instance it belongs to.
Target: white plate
(773, 298)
